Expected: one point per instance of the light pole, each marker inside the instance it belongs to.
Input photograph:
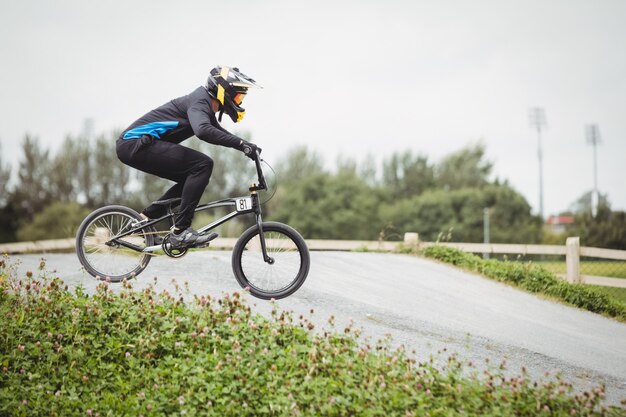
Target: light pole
(592, 132)
(537, 118)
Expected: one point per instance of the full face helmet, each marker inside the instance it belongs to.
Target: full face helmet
(229, 86)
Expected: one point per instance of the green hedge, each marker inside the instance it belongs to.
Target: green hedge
(533, 278)
(145, 353)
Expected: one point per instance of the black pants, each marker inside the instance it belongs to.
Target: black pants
(191, 170)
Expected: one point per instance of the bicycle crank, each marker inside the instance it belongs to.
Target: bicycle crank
(170, 251)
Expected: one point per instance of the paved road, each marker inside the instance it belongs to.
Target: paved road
(423, 305)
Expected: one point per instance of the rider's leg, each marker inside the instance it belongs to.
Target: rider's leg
(199, 174)
(190, 169)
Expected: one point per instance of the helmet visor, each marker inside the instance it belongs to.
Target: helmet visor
(238, 99)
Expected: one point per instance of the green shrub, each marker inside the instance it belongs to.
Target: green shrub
(58, 220)
(533, 278)
(154, 354)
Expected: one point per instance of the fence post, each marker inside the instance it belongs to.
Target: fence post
(572, 259)
(411, 240)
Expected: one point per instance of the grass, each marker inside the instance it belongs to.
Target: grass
(145, 353)
(535, 278)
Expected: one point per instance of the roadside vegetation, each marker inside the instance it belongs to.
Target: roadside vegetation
(129, 352)
(612, 292)
(535, 278)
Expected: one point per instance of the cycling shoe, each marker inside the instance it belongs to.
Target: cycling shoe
(190, 238)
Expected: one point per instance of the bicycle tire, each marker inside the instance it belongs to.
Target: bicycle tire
(271, 281)
(111, 263)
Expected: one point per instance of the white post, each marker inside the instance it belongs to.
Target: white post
(486, 238)
(572, 259)
(411, 240)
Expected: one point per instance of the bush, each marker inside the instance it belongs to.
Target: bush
(58, 220)
(532, 278)
(153, 354)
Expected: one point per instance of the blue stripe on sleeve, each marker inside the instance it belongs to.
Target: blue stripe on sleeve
(155, 129)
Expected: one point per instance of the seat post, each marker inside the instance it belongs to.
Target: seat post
(168, 204)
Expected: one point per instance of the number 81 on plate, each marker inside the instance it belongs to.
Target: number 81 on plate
(243, 204)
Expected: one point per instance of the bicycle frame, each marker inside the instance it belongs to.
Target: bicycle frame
(242, 206)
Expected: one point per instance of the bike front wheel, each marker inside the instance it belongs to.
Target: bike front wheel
(287, 270)
(106, 258)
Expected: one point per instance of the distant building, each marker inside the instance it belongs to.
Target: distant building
(558, 224)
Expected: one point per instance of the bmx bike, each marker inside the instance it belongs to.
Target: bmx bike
(269, 259)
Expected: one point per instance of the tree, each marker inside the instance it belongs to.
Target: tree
(346, 165)
(62, 176)
(427, 214)
(299, 163)
(465, 168)
(5, 176)
(407, 175)
(89, 171)
(511, 219)
(460, 214)
(340, 206)
(367, 170)
(606, 230)
(85, 176)
(8, 220)
(32, 194)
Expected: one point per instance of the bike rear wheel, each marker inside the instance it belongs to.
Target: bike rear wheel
(106, 259)
(285, 274)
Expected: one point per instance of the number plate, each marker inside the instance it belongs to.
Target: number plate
(244, 204)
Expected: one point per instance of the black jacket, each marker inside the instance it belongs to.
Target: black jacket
(182, 118)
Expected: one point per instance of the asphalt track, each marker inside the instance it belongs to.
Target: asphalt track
(426, 306)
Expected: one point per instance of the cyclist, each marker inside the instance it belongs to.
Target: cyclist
(152, 144)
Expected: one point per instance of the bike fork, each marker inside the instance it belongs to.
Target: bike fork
(266, 257)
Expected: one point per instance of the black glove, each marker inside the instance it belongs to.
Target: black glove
(250, 149)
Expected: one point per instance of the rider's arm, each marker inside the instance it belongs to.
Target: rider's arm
(201, 123)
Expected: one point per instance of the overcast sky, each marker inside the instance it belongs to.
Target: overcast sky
(343, 77)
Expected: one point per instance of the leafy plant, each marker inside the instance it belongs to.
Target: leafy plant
(145, 353)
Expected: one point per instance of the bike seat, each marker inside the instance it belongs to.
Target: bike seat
(169, 202)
